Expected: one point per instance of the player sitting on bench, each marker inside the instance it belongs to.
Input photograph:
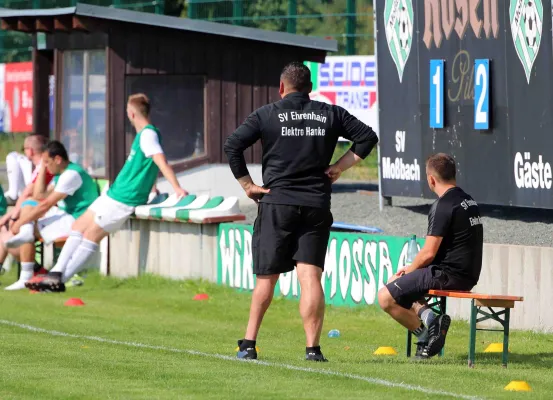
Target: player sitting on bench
(451, 259)
(73, 190)
(33, 147)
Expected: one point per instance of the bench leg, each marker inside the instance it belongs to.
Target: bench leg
(506, 336)
(39, 253)
(472, 340)
(57, 252)
(443, 306)
(409, 339)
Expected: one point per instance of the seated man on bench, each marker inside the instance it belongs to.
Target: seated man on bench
(34, 147)
(451, 259)
(73, 191)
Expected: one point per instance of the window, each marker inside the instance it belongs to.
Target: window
(84, 109)
(177, 110)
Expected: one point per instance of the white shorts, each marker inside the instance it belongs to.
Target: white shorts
(110, 214)
(54, 225)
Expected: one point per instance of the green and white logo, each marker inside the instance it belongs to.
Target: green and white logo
(526, 27)
(356, 266)
(398, 17)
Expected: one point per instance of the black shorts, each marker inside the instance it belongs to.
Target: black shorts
(284, 235)
(411, 287)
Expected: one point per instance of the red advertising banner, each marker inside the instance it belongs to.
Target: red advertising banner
(18, 94)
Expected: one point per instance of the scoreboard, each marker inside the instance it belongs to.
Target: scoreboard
(472, 79)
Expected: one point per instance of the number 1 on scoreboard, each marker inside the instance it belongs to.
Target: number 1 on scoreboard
(481, 94)
(436, 93)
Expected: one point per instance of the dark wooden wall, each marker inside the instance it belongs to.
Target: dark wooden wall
(241, 75)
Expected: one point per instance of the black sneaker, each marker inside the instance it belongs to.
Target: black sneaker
(249, 353)
(437, 332)
(315, 357)
(422, 351)
(51, 282)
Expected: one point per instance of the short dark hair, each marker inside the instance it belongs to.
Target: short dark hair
(56, 148)
(297, 75)
(443, 165)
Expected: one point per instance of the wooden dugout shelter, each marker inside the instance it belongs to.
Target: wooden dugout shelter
(203, 79)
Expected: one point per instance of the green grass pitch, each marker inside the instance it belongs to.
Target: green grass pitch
(147, 339)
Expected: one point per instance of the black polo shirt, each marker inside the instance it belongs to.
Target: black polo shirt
(298, 138)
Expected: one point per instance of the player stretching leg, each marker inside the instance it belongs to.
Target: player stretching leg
(109, 212)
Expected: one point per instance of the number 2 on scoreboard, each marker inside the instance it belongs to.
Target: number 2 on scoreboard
(481, 94)
(436, 93)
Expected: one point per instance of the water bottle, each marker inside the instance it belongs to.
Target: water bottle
(412, 250)
(334, 333)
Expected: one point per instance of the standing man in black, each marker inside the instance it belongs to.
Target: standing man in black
(451, 259)
(294, 219)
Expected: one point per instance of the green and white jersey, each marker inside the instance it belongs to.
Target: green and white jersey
(3, 203)
(80, 188)
(134, 183)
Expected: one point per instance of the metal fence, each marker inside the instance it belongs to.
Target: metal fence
(350, 22)
(16, 46)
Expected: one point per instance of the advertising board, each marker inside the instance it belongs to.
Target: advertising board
(472, 79)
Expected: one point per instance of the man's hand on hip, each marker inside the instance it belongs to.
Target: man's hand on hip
(333, 172)
(253, 191)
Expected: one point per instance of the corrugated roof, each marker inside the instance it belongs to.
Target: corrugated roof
(185, 24)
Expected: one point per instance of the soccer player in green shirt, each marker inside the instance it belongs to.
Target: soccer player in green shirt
(106, 215)
(72, 191)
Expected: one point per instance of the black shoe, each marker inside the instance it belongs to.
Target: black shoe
(37, 269)
(51, 282)
(315, 357)
(422, 353)
(437, 332)
(249, 353)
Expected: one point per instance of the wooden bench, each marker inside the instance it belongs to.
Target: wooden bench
(497, 306)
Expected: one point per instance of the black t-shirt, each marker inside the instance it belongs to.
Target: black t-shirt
(298, 137)
(456, 218)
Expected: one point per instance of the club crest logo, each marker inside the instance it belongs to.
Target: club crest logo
(526, 26)
(398, 18)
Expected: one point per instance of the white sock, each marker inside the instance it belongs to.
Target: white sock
(82, 255)
(26, 271)
(16, 181)
(26, 274)
(26, 235)
(71, 244)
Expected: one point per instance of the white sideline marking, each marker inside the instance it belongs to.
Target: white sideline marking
(375, 381)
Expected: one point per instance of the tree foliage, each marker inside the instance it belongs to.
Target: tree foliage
(321, 18)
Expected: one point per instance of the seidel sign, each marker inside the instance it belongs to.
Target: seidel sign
(348, 82)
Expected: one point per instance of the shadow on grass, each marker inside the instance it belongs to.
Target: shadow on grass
(540, 360)
(536, 360)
